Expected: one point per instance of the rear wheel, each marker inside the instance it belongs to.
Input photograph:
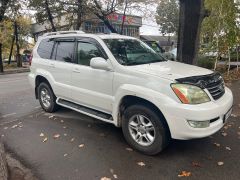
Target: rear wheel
(46, 98)
(144, 129)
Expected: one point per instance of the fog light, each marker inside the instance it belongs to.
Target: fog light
(199, 124)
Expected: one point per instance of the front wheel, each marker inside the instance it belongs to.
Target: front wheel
(144, 129)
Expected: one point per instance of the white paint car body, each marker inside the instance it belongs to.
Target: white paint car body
(103, 90)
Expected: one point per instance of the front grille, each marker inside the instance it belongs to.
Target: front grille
(215, 86)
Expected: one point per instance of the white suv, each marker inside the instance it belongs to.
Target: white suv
(121, 80)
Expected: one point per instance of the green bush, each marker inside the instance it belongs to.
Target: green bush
(206, 62)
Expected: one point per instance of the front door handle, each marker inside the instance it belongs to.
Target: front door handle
(76, 70)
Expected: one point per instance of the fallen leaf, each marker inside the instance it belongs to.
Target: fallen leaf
(64, 127)
(184, 174)
(14, 126)
(56, 136)
(2, 135)
(112, 171)
(224, 134)
(228, 148)
(129, 149)
(196, 164)
(81, 146)
(65, 134)
(62, 121)
(5, 128)
(225, 127)
(217, 144)
(220, 163)
(115, 176)
(65, 155)
(41, 135)
(45, 139)
(50, 117)
(72, 139)
(141, 164)
(105, 178)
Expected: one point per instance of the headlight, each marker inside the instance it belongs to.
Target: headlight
(190, 94)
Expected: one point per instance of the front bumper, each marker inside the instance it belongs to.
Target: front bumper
(177, 115)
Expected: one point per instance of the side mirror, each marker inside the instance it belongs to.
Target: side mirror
(99, 63)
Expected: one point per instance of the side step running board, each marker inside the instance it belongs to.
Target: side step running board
(86, 110)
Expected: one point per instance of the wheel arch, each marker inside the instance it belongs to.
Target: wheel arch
(129, 100)
(38, 80)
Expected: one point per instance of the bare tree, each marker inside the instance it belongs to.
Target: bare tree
(50, 17)
(103, 12)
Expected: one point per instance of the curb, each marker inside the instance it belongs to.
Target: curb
(14, 71)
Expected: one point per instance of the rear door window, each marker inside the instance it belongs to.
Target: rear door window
(45, 48)
(64, 51)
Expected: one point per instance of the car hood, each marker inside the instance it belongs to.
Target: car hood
(170, 70)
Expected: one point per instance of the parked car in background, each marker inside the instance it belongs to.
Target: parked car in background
(156, 47)
(171, 55)
(122, 81)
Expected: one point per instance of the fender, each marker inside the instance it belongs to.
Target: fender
(46, 75)
(155, 97)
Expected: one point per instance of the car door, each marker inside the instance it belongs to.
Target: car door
(91, 87)
(63, 54)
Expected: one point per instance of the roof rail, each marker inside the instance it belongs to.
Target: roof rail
(63, 32)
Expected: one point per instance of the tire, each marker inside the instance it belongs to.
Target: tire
(49, 103)
(159, 131)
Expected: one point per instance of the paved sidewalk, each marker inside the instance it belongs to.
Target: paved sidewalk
(16, 70)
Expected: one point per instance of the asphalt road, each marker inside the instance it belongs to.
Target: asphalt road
(103, 151)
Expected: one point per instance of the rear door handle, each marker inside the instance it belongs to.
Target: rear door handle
(52, 65)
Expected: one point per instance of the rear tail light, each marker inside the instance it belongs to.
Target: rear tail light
(30, 59)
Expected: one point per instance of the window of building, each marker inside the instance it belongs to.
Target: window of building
(45, 48)
(86, 51)
(64, 51)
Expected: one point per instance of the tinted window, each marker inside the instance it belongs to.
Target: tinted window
(64, 51)
(45, 48)
(86, 51)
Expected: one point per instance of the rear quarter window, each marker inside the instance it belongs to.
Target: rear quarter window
(45, 48)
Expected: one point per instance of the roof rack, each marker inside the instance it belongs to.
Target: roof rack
(63, 32)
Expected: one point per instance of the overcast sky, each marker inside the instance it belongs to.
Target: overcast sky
(149, 28)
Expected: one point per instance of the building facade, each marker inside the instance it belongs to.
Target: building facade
(92, 24)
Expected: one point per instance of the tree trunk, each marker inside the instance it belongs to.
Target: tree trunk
(79, 15)
(229, 61)
(18, 58)
(1, 62)
(237, 57)
(124, 16)
(3, 164)
(11, 50)
(50, 17)
(192, 13)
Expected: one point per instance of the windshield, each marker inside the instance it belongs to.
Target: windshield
(132, 52)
